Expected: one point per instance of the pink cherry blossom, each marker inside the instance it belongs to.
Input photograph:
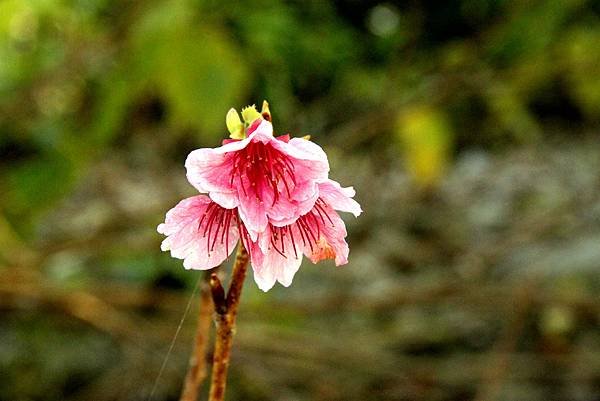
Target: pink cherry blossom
(271, 193)
(270, 180)
(319, 234)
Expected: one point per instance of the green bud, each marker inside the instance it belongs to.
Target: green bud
(250, 114)
(234, 124)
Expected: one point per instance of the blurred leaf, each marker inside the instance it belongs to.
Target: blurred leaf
(509, 110)
(581, 61)
(201, 75)
(194, 66)
(34, 186)
(361, 84)
(531, 27)
(114, 97)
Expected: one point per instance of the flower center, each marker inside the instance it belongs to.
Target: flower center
(215, 224)
(260, 168)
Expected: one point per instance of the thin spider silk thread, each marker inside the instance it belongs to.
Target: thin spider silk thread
(164, 363)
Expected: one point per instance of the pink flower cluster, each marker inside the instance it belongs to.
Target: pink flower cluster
(272, 194)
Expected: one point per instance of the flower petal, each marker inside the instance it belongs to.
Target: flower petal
(227, 200)
(309, 161)
(325, 234)
(287, 211)
(200, 232)
(339, 198)
(253, 214)
(274, 267)
(209, 169)
(261, 130)
(275, 258)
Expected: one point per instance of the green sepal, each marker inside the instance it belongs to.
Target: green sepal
(234, 124)
(250, 114)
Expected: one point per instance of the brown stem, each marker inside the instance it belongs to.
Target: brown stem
(225, 320)
(197, 365)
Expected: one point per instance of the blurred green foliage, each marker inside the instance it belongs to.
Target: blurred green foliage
(101, 100)
(73, 72)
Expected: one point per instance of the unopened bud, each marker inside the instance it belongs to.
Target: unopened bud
(218, 294)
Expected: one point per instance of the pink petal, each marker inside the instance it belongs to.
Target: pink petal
(276, 268)
(339, 198)
(272, 263)
(309, 159)
(287, 211)
(199, 232)
(253, 214)
(209, 169)
(228, 140)
(303, 149)
(254, 126)
(227, 200)
(261, 130)
(324, 235)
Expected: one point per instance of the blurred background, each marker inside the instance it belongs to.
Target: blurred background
(470, 129)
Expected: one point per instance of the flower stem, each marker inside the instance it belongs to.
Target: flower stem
(226, 312)
(197, 365)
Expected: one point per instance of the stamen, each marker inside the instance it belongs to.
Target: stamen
(275, 235)
(319, 206)
(264, 168)
(315, 222)
(213, 213)
(307, 231)
(277, 249)
(246, 237)
(219, 225)
(204, 215)
(301, 234)
(227, 225)
(291, 230)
